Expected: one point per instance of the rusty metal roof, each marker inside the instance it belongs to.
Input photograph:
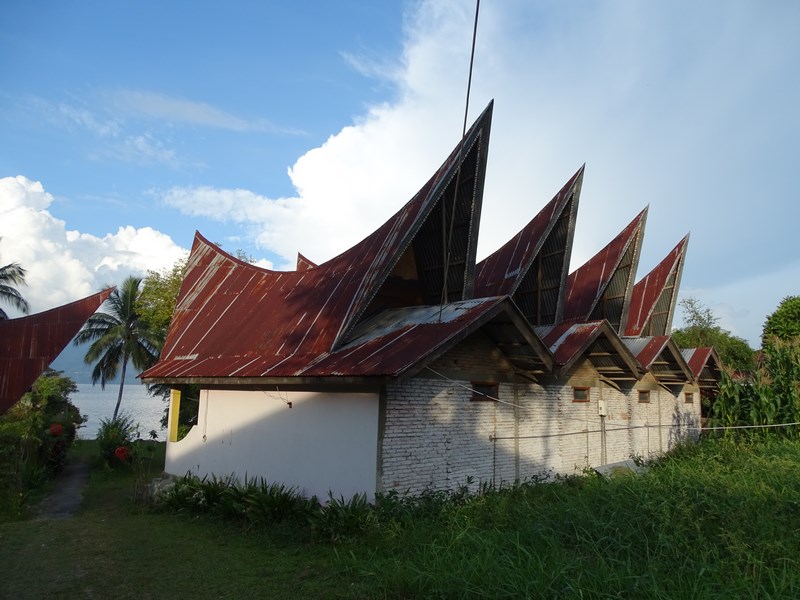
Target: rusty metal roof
(655, 295)
(29, 344)
(661, 356)
(595, 340)
(236, 320)
(706, 366)
(401, 340)
(411, 290)
(601, 288)
(532, 266)
(303, 264)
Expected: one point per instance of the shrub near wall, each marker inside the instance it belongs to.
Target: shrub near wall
(35, 436)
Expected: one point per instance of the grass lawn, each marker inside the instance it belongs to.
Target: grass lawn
(113, 549)
(712, 521)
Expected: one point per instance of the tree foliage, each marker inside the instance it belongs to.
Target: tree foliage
(701, 328)
(119, 335)
(156, 303)
(158, 296)
(784, 323)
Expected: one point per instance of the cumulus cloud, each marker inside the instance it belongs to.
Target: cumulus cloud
(67, 265)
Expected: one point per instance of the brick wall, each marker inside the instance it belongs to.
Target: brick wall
(435, 436)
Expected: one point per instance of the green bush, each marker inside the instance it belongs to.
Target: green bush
(35, 436)
(115, 439)
(253, 503)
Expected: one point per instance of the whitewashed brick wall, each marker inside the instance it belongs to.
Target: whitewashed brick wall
(435, 437)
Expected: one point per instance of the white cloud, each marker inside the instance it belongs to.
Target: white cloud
(154, 105)
(145, 150)
(688, 115)
(83, 118)
(67, 265)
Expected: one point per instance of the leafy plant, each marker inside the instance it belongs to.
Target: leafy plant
(113, 436)
(769, 397)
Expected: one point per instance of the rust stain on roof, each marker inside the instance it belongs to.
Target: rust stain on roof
(655, 295)
(29, 344)
(661, 356)
(598, 342)
(600, 289)
(411, 290)
(532, 266)
(233, 319)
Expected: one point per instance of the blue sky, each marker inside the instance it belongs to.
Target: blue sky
(282, 127)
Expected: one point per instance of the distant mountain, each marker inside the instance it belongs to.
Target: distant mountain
(70, 361)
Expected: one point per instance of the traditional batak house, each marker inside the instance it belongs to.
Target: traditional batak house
(405, 364)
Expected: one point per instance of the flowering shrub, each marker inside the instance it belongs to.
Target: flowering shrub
(56, 429)
(113, 435)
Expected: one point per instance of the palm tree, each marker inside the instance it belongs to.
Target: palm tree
(118, 335)
(10, 276)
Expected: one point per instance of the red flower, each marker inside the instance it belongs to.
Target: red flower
(56, 429)
(123, 453)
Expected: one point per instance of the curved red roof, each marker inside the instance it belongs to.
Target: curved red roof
(29, 344)
(654, 296)
(601, 288)
(233, 319)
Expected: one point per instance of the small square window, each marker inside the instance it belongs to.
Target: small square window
(580, 394)
(688, 397)
(644, 396)
(483, 391)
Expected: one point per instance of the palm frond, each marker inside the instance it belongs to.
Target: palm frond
(11, 275)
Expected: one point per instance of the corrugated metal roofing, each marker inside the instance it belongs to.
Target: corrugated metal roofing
(29, 344)
(303, 264)
(397, 341)
(601, 288)
(595, 340)
(412, 289)
(233, 319)
(662, 357)
(655, 295)
(705, 364)
(532, 266)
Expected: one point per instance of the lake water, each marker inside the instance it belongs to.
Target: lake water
(96, 404)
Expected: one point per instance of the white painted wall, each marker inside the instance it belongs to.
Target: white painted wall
(324, 441)
(435, 437)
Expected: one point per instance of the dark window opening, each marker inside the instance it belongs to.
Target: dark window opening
(580, 394)
(644, 396)
(483, 391)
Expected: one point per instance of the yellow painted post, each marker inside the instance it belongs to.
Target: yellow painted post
(174, 411)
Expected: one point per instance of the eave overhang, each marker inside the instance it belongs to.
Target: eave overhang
(706, 365)
(595, 341)
(661, 356)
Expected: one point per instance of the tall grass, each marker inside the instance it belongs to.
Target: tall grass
(717, 519)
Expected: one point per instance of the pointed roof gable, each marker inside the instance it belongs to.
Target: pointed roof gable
(532, 266)
(303, 264)
(656, 294)
(661, 356)
(29, 344)
(597, 342)
(706, 366)
(601, 288)
(436, 233)
(286, 321)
